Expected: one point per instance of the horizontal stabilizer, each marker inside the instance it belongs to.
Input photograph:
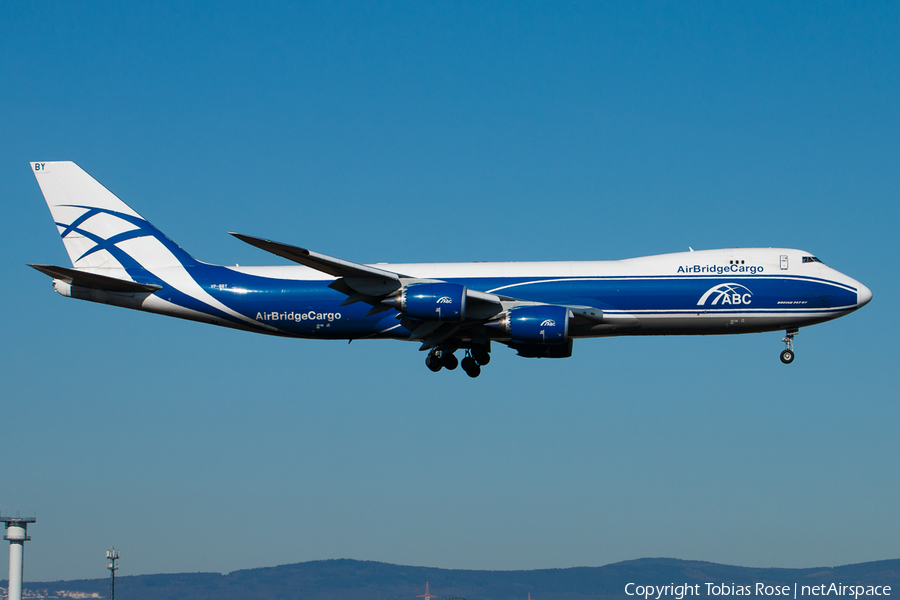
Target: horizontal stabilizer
(94, 281)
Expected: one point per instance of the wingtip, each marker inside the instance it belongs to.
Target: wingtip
(247, 238)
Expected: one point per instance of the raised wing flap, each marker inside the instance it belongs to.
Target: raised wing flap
(94, 281)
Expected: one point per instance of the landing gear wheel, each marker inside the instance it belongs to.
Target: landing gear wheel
(481, 356)
(471, 367)
(448, 361)
(433, 362)
(787, 355)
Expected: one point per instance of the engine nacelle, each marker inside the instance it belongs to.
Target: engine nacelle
(537, 324)
(434, 301)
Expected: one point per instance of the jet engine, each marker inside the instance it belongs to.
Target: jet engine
(432, 301)
(542, 324)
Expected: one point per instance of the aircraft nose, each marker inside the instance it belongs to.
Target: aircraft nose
(863, 295)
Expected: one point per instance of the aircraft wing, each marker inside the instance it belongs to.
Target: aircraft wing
(363, 279)
(363, 283)
(374, 286)
(314, 260)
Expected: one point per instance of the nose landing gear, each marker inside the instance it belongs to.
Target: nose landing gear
(787, 355)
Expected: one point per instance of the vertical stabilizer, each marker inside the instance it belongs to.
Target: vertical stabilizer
(99, 230)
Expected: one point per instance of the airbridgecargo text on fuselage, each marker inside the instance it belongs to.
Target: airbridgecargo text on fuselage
(721, 269)
(297, 316)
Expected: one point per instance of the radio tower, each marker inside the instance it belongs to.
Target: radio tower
(17, 534)
(426, 595)
(112, 555)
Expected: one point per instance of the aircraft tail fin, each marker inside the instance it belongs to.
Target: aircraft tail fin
(98, 230)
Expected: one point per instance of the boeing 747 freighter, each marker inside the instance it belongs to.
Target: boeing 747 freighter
(535, 308)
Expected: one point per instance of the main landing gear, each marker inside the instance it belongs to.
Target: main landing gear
(437, 359)
(787, 355)
(441, 358)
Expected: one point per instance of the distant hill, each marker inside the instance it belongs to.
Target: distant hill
(364, 580)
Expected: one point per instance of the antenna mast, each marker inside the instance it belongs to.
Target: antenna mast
(426, 595)
(112, 555)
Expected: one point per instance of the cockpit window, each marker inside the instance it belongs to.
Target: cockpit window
(807, 259)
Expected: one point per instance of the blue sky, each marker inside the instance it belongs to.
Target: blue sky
(452, 132)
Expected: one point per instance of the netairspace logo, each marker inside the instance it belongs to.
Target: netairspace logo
(679, 592)
(726, 293)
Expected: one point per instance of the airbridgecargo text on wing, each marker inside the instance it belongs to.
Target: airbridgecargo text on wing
(721, 269)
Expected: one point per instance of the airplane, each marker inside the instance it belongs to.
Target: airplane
(536, 308)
